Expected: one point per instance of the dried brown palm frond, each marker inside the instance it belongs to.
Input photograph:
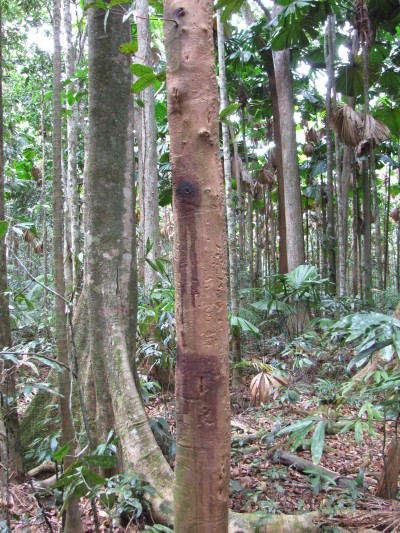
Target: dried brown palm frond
(266, 176)
(348, 125)
(381, 520)
(375, 132)
(312, 136)
(308, 149)
(264, 384)
(395, 214)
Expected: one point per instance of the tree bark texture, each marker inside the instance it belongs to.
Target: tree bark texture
(72, 519)
(10, 446)
(202, 394)
(71, 190)
(293, 210)
(329, 58)
(110, 286)
(230, 208)
(148, 149)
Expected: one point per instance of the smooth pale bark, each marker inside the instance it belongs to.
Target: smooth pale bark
(290, 167)
(72, 518)
(202, 377)
(71, 189)
(44, 213)
(377, 221)
(230, 208)
(331, 243)
(109, 324)
(366, 184)
(10, 446)
(240, 209)
(147, 141)
(283, 265)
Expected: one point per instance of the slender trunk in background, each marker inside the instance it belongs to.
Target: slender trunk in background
(202, 376)
(331, 242)
(387, 221)
(72, 191)
(250, 237)
(257, 269)
(377, 221)
(147, 144)
(283, 265)
(44, 210)
(230, 208)
(293, 211)
(10, 445)
(366, 184)
(73, 518)
(240, 207)
(355, 228)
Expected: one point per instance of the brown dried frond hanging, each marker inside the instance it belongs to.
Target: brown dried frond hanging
(28, 236)
(312, 136)
(348, 125)
(266, 176)
(272, 158)
(395, 214)
(375, 132)
(308, 149)
(38, 248)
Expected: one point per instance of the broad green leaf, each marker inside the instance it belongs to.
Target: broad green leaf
(118, 2)
(358, 432)
(296, 426)
(162, 76)
(104, 461)
(141, 70)
(228, 110)
(231, 7)
(318, 442)
(221, 3)
(98, 5)
(129, 48)
(143, 82)
(91, 477)
(3, 228)
(59, 454)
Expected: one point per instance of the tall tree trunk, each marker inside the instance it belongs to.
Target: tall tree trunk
(71, 190)
(230, 209)
(293, 211)
(148, 149)
(387, 221)
(73, 519)
(202, 391)
(110, 289)
(377, 222)
(283, 263)
(236, 173)
(10, 446)
(329, 58)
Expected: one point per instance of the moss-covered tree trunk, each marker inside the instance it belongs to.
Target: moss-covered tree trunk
(108, 327)
(73, 520)
(10, 447)
(202, 395)
(147, 141)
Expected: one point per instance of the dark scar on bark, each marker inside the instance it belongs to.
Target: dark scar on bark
(188, 193)
(179, 12)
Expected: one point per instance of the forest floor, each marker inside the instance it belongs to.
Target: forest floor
(259, 483)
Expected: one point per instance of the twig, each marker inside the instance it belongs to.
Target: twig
(37, 281)
(264, 9)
